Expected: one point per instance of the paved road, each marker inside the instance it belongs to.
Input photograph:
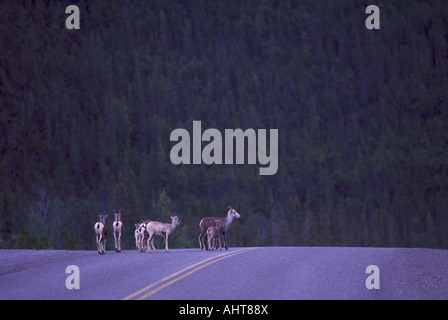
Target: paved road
(240, 273)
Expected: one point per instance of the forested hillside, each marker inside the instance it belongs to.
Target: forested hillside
(362, 116)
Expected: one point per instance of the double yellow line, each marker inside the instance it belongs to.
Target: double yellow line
(163, 283)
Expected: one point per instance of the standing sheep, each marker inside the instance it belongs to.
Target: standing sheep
(101, 234)
(118, 230)
(162, 229)
(213, 233)
(211, 221)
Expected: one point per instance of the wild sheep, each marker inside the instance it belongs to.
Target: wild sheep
(214, 233)
(101, 234)
(207, 222)
(118, 230)
(161, 229)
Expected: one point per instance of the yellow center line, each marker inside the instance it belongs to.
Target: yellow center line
(214, 259)
(188, 273)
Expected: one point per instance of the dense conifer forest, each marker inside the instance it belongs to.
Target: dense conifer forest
(362, 119)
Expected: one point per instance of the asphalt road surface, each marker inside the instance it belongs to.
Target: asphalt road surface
(267, 273)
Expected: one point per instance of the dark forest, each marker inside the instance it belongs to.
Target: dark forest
(362, 119)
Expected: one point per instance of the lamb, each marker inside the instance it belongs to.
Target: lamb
(213, 233)
(101, 234)
(211, 221)
(161, 229)
(141, 235)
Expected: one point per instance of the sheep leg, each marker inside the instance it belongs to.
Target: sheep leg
(152, 244)
(202, 241)
(209, 240)
(141, 242)
(116, 242)
(98, 243)
(206, 247)
(224, 240)
(166, 243)
(149, 243)
(102, 245)
(119, 242)
(206, 244)
(219, 241)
